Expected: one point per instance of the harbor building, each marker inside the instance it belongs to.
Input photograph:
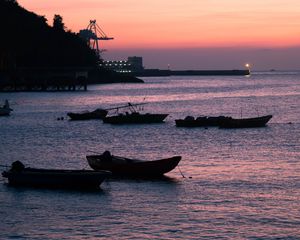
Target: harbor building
(132, 64)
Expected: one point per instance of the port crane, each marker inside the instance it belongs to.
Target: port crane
(92, 34)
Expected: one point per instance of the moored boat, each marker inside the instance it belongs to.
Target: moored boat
(121, 166)
(19, 175)
(96, 114)
(204, 121)
(245, 122)
(5, 110)
(134, 117)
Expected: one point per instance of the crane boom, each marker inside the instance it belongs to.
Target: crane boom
(92, 34)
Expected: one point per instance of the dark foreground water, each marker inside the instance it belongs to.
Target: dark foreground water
(239, 183)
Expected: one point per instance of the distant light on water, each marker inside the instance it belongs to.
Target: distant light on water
(247, 65)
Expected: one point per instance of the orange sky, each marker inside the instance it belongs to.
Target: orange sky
(178, 23)
(171, 24)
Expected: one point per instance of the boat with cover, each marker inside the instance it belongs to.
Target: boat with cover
(121, 166)
(134, 117)
(5, 109)
(204, 121)
(245, 122)
(19, 175)
(86, 115)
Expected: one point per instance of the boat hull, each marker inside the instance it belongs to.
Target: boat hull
(4, 112)
(130, 167)
(77, 179)
(245, 122)
(97, 114)
(135, 118)
(200, 122)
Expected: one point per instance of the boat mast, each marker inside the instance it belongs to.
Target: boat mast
(129, 105)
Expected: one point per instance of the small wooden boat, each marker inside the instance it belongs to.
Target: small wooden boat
(5, 110)
(18, 175)
(120, 166)
(245, 122)
(134, 117)
(204, 121)
(96, 114)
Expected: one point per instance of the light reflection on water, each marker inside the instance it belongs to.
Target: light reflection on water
(241, 183)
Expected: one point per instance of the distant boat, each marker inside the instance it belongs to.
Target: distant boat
(204, 121)
(121, 166)
(134, 117)
(18, 175)
(97, 114)
(5, 110)
(245, 122)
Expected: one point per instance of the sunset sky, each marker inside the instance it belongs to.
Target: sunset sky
(192, 34)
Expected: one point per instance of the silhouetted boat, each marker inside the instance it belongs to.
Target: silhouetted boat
(120, 166)
(245, 122)
(134, 116)
(97, 114)
(18, 175)
(204, 121)
(5, 110)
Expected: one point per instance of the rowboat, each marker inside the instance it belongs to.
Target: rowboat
(96, 114)
(5, 109)
(121, 166)
(245, 122)
(204, 121)
(18, 175)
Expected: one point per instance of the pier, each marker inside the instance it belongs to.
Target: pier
(44, 79)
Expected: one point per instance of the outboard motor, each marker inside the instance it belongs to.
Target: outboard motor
(17, 166)
(106, 156)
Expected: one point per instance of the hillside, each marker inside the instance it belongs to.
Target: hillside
(29, 42)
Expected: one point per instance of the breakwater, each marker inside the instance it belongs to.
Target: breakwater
(161, 73)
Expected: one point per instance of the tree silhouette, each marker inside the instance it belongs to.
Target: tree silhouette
(58, 22)
(42, 47)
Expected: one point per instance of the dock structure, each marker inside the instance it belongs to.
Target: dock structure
(44, 79)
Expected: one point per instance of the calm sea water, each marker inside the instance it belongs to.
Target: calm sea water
(239, 183)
